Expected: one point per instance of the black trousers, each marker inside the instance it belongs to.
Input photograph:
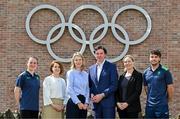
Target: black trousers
(124, 114)
(29, 114)
(72, 110)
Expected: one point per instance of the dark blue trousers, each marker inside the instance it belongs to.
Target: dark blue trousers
(104, 112)
(72, 110)
(160, 112)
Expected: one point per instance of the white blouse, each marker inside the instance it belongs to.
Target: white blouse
(53, 87)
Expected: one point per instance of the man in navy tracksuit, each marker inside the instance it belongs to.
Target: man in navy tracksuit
(158, 84)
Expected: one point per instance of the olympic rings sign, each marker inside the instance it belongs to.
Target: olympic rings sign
(126, 41)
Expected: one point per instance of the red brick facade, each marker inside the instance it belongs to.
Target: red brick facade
(16, 46)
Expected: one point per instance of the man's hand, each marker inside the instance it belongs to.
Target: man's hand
(97, 98)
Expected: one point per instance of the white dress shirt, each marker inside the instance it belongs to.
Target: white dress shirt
(99, 69)
(53, 87)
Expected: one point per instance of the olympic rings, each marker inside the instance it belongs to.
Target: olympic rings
(83, 39)
(40, 7)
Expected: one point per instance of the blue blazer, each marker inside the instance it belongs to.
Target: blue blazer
(107, 83)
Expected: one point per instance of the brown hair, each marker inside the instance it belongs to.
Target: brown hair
(100, 47)
(60, 66)
(156, 52)
(33, 58)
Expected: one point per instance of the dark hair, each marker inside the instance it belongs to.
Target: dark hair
(100, 47)
(33, 58)
(156, 52)
(60, 66)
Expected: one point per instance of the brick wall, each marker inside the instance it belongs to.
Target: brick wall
(16, 46)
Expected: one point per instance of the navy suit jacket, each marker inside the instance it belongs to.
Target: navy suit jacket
(107, 83)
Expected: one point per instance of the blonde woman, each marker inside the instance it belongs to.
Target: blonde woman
(77, 88)
(54, 90)
(129, 90)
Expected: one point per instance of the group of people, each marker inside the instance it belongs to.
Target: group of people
(100, 85)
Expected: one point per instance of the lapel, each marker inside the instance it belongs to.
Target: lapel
(95, 75)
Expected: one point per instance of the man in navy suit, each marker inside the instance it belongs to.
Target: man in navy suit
(103, 79)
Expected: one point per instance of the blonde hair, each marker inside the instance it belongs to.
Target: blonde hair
(72, 60)
(129, 56)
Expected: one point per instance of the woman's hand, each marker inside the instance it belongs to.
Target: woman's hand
(80, 105)
(58, 108)
(122, 106)
(85, 106)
